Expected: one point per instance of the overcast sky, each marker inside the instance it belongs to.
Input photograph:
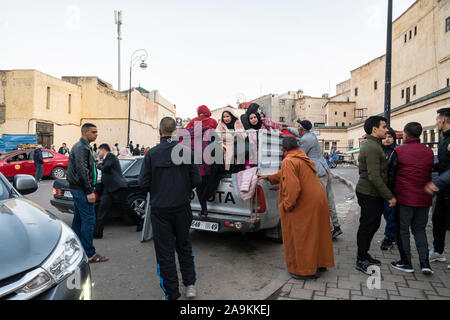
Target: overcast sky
(201, 52)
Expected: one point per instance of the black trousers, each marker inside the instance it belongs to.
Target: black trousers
(170, 234)
(371, 212)
(107, 200)
(414, 218)
(440, 219)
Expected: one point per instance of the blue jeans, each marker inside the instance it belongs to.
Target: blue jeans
(83, 220)
(388, 213)
(39, 172)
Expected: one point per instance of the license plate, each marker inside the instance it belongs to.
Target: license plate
(203, 225)
(67, 194)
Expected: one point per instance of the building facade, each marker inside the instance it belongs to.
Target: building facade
(32, 102)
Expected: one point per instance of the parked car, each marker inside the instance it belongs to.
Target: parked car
(40, 256)
(21, 162)
(131, 167)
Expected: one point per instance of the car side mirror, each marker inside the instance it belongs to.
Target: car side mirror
(8, 160)
(25, 184)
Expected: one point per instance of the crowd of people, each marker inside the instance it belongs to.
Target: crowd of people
(394, 181)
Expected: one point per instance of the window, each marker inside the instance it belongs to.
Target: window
(19, 157)
(281, 119)
(425, 137)
(46, 155)
(335, 113)
(48, 97)
(334, 145)
(327, 145)
(403, 93)
(415, 31)
(414, 90)
(375, 85)
(408, 95)
(70, 103)
(337, 124)
(432, 136)
(283, 102)
(356, 92)
(406, 38)
(345, 114)
(133, 171)
(2, 113)
(447, 24)
(448, 82)
(343, 124)
(350, 144)
(410, 34)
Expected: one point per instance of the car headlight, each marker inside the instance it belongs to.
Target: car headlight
(66, 256)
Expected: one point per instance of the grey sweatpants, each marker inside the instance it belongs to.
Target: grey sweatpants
(415, 218)
(327, 184)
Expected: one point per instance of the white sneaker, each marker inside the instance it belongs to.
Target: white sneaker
(191, 292)
(448, 267)
(434, 256)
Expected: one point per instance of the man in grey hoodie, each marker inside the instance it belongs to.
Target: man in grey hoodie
(310, 145)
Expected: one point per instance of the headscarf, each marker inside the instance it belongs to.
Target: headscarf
(203, 111)
(245, 118)
(230, 125)
(124, 152)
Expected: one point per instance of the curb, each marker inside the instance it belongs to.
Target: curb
(272, 287)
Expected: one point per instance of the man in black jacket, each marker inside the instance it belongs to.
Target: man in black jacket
(442, 208)
(38, 163)
(170, 188)
(115, 187)
(82, 178)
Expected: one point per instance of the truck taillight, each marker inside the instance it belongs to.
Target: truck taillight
(259, 201)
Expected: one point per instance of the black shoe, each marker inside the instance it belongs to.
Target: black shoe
(402, 266)
(297, 277)
(387, 244)
(426, 269)
(363, 265)
(336, 232)
(322, 269)
(373, 261)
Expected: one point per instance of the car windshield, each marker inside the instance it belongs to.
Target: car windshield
(125, 163)
(6, 155)
(134, 171)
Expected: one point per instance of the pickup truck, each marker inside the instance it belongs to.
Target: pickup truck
(227, 212)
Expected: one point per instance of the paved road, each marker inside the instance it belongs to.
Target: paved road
(229, 266)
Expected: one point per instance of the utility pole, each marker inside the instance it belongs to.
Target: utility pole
(387, 91)
(118, 20)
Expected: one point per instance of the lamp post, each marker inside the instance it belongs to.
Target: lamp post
(118, 20)
(139, 56)
(387, 91)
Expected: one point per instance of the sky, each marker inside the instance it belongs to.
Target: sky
(200, 52)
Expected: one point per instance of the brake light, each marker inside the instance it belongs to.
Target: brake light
(55, 191)
(58, 192)
(259, 201)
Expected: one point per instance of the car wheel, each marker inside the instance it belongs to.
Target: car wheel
(137, 212)
(58, 173)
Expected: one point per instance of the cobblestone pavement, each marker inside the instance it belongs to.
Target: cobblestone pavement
(344, 282)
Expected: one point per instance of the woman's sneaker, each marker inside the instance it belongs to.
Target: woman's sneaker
(405, 267)
(435, 257)
(191, 292)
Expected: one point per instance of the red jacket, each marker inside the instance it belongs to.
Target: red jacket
(204, 115)
(415, 164)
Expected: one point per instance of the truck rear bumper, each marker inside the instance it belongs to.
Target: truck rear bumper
(229, 223)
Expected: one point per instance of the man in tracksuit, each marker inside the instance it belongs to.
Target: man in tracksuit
(442, 208)
(170, 188)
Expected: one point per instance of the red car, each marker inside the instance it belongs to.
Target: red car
(21, 162)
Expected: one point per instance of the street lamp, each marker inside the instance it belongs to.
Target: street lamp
(387, 91)
(118, 20)
(139, 56)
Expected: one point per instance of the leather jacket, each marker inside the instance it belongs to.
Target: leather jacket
(81, 170)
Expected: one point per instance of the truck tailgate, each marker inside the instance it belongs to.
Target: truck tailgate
(225, 201)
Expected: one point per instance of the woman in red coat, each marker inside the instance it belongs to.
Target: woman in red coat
(204, 115)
